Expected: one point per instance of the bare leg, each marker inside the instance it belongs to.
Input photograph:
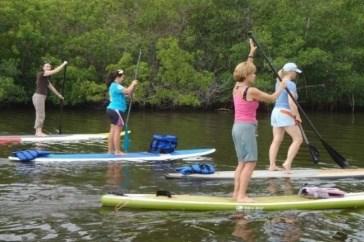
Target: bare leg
(110, 145)
(116, 140)
(245, 176)
(39, 105)
(278, 135)
(297, 140)
(237, 174)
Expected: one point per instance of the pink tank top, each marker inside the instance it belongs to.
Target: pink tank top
(245, 111)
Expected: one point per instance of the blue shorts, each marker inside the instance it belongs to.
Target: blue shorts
(116, 117)
(279, 119)
(245, 141)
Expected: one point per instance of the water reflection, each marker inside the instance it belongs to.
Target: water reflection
(243, 229)
(284, 227)
(277, 185)
(117, 178)
(113, 175)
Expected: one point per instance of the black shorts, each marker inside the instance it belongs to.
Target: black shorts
(116, 117)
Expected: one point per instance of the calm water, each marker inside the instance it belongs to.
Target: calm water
(60, 202)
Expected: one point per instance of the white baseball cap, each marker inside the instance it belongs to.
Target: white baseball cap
(291, 67)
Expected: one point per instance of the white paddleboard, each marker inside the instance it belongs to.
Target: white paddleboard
(18, 139)
(295, 174)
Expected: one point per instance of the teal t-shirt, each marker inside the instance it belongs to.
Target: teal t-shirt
(117, 97)
(282, 100)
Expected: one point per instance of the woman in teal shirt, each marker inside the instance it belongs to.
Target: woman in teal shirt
(117, 107)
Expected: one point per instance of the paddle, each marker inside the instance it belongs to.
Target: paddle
(314, 153)
(126, 137)
(62, 102)
(338, 158)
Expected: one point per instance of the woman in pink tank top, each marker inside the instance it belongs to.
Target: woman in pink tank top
(246, 101)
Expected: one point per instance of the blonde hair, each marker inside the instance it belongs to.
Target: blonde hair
(244, 69)
(283, 73)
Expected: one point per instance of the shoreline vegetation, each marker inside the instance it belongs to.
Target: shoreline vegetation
(190, 49)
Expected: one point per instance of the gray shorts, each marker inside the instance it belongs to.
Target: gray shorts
(245, 141)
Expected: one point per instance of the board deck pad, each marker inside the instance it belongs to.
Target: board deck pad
(131, 156)
(294, 174)
(206, 203)
(18, 139)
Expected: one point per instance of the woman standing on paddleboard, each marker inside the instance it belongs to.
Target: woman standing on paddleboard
(117, 107)
(246, 101)
(40, 95)
(284, 119)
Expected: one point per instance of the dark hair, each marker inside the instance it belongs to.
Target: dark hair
(44, 63)
(112, 75)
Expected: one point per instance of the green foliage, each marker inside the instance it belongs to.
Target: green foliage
(87, 92)
(190, 47)
(10, 92)
(181, 83)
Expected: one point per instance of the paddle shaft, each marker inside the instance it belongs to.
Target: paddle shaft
(131, 96)
(303, 133)
(62, 102)
(338, 158)
(126, 138)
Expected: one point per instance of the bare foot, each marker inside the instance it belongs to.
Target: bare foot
(274, 168)
(244, 200)
(119, 153)
(40, 134)
(287, 168)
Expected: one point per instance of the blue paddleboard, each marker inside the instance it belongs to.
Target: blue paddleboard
(131, 156)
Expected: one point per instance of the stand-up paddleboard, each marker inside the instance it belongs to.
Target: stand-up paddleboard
(294, 174)
(131, 156)
(18, 139)
(204, 203)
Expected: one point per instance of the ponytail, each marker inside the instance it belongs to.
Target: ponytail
(110, 78)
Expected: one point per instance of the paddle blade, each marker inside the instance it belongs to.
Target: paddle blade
(314, 153)
(338, 158)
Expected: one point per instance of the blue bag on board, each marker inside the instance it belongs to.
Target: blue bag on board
(28, 155)
(196, 169)
(163, 144)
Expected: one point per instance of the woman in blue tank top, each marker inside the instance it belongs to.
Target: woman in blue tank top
(284, 119)
(117, 107)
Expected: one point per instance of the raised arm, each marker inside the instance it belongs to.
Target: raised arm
(55, 70)
(253, 48)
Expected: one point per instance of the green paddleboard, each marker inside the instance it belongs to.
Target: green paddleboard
(205, 203)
